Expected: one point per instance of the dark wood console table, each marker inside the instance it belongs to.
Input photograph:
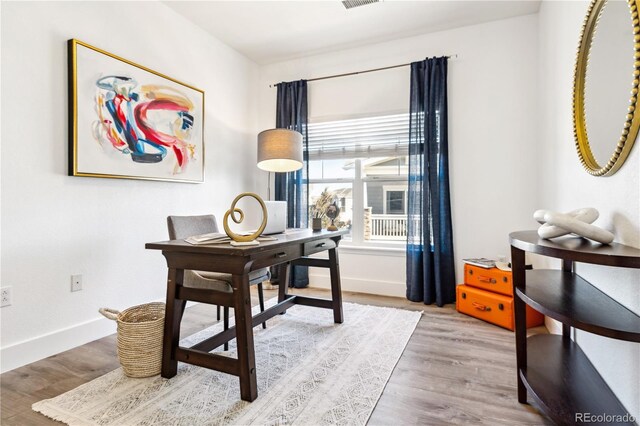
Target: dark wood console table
(294, 246)
(553, 369)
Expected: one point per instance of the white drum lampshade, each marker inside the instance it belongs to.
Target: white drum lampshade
(280, 150)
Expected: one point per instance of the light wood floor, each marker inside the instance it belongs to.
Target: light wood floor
(454, 370)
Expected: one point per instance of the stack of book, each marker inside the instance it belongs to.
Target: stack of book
(211, 238)
(481, 262)
(219, 238)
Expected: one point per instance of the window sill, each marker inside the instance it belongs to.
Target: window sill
(373, 250)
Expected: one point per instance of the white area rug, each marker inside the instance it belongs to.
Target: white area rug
(310, 371)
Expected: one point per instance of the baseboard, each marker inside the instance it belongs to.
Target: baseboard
(40, 347)
(383, 288)
(37, 348)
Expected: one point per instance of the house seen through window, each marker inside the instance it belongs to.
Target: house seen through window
(361, 165)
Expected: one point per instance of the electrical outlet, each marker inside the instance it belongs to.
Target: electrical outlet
(5, 296)
(76, 282)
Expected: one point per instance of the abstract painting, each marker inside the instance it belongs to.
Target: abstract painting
(127, 121)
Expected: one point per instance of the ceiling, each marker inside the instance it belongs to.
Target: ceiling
(272, 31)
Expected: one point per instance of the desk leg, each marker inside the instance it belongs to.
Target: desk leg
(283, 284)
(225, 325)
(244, 336)
(283, 276)
(172, 318)
(336, 291)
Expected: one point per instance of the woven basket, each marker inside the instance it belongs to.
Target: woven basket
(140, 330)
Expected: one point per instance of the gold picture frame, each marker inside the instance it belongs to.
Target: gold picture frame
(127, 121)
(631, 124)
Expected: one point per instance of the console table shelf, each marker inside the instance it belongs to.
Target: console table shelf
(568, 298)
(577, 249)
(563, 382)
(553, 369)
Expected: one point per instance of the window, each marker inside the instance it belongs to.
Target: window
(395, 201)
(361, 165)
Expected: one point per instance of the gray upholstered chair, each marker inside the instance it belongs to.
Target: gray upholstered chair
(181, 227)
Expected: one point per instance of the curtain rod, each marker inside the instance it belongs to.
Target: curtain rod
(361, 72)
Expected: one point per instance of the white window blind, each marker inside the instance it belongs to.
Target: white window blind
(381, 136)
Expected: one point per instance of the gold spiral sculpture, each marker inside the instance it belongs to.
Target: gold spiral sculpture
(232, 212)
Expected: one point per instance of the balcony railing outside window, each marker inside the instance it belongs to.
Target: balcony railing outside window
(390, 227)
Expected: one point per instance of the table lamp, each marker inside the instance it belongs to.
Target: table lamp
(279, 150)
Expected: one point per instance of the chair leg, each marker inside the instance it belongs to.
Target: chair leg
(226, 324)
(217, 312)
(261, 300)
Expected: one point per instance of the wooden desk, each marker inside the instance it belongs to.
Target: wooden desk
(292, 247)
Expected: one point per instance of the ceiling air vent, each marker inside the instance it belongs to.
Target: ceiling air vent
(349, 4)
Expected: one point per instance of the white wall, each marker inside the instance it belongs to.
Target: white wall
(567, 186)
(492, 129)
(506, 160)
(54, 225)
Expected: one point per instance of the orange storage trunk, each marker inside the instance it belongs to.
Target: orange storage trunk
(492, 279)
(492, 307)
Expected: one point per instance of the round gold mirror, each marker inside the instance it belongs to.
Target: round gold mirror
(605, 91)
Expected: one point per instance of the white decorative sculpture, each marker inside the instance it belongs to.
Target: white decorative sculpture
(587, 215)
(578, 221)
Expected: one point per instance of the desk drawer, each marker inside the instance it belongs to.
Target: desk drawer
(274, 257)
(318, 246)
